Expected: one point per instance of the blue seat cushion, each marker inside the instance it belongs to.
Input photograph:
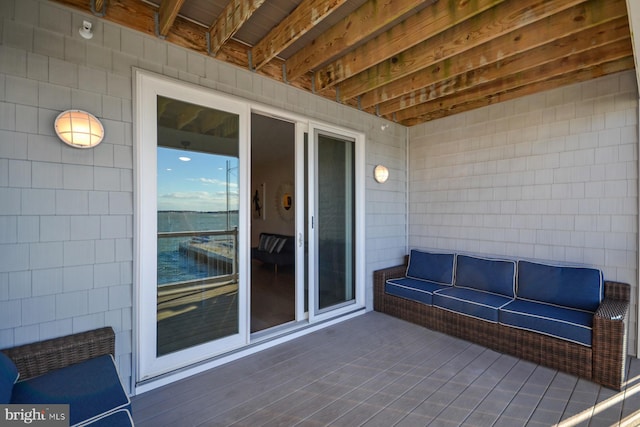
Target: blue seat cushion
(8, 377)
(91, 389)
(497, 276)
(120, 418)
(560, 322)
(471, 302)
(413, 289)
(576, 287)
(433, 267)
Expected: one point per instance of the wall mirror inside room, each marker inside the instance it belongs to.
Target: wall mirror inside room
(197, 203)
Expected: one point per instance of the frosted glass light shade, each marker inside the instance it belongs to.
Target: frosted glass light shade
(381, 174)
(79, 129)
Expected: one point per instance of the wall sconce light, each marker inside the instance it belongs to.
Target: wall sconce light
(79, 129)
(85, 30)
(381, 174)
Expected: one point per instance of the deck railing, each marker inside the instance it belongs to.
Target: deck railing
(215, 249)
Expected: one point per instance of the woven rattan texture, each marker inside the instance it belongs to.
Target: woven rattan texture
(603, 363)
(44, 356)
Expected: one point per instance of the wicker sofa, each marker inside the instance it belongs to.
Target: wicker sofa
(564, 317)
(76, 370)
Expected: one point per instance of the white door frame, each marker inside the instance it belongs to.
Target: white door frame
(148, 87)
(359, 176)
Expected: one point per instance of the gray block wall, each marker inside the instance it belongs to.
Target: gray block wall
(66, 215)
(550, 177)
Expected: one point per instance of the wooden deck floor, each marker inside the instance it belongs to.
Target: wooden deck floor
(375, 370)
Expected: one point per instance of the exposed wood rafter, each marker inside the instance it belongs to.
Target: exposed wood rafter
(230, 20)
(370, 17)
(167, 15)
(414, 30)
(307, 15)
(406, 60)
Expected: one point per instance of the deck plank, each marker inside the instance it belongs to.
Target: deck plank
(377, 370)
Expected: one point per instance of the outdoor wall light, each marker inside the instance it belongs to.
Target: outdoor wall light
(79, 129)
(380, 174)
(85, 30)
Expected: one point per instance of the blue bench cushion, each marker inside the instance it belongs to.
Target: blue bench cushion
(8, 377)
(497, 276)
(91, 389)
(413, 289)
(433, 267)
(575, 287)
(471, 302)
(120, 418)
(560, 322)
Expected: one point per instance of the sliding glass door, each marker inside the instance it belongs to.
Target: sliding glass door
(192, 225)
(336, 222)
(195, 190)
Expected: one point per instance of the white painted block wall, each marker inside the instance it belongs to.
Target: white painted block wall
(551, 177)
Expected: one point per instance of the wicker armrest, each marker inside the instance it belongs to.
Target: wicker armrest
(609, 344)
(613, 310)
(379, 279)
(40, 357)
(617, 290)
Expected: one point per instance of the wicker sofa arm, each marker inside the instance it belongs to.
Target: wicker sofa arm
(617, 290)
(610, 324)
(40, 357)
(379, 279)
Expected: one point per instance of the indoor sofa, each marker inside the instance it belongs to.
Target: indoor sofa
(564, 317)
(76, 370)
(275, 249)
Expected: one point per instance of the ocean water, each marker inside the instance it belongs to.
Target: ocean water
(174, 266)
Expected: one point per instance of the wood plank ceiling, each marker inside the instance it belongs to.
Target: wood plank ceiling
(409, 61)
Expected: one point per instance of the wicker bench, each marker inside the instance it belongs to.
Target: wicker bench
(602, 362)
(77, 370)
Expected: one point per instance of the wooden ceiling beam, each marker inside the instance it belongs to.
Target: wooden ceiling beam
(303, 18)
(561, 25)
(462, 92)
(590, 38)
(230, 20)
(492, 24)
(574, 77)
(140, 16)
(415, 29)
(372, 16)
(167, 15)
(99, 6)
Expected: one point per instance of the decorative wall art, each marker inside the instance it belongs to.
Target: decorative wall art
(284, 202)
(257, 202)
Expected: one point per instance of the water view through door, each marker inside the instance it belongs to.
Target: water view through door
(191, 222)
(197, 201)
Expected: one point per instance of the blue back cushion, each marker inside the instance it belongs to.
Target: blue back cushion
(431, 266)
(8, 377)
(575, 287)
(485, 274)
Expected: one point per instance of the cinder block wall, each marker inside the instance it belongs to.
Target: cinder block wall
(66, 215)
(552, 177)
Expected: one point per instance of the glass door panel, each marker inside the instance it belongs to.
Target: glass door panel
(197, 280)
(335, 221)
(191, 223)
